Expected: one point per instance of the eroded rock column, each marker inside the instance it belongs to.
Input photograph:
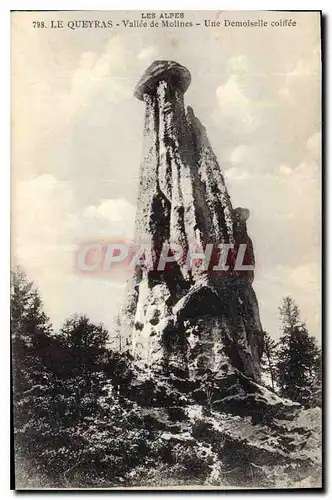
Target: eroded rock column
(188, 319)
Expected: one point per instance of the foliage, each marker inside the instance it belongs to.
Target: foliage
(269, 360)
(68, 418)
(84, 415)
(299, 364)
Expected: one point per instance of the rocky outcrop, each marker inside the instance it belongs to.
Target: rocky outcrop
(223, 437)
(187, 319)
(195, 331)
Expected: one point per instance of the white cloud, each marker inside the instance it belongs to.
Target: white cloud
(42, 228)
(302, 283)
(41, 210)
(111, 218)
(306, 277)
(238, 64)
(236, 174)
(236, 106)
(231, 93)
(100, 297)
(96, 73)
(46, 236)
(308, 66)
(284, 92)
(285, 229)
(43, 219)
(284, 169)
(239, 154)
(297, 77)
(147, 53)
(113, 210)
(314, 145)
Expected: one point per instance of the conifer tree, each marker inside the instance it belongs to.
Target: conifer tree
(32, 381)
(30, 331)
(28, 319)
(299, 358)
(269, 360)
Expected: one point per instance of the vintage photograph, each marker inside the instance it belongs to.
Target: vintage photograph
(166, 249)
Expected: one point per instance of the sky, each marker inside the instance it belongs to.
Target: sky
(77, 137)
